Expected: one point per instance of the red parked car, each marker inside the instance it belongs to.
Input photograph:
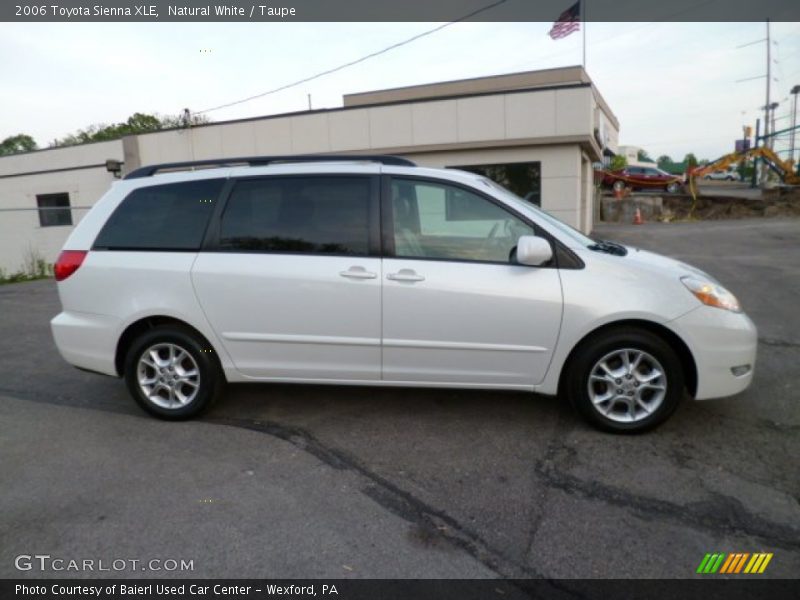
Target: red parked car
(642, 178)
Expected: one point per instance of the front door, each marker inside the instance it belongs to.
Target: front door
(292, 286)
(455, 308)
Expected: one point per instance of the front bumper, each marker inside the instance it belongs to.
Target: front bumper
(720, 341)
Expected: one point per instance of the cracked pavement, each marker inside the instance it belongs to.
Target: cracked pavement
(315, 481)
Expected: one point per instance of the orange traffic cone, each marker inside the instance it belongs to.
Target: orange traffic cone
(637, 218)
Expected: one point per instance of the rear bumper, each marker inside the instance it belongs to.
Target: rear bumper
(87, 341)
(720, 341)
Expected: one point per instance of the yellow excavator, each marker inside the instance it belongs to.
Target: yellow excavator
(783, 168)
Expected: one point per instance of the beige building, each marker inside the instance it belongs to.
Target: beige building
(537, 132)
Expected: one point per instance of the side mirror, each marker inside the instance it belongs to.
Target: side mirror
(533, 251)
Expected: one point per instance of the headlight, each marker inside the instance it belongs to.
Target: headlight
(712, 294)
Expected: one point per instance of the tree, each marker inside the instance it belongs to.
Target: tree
(690, 160)
(17, 143)
(664, 161)
(642, 156)
(135, 124)
(183, 120)
(618, 162)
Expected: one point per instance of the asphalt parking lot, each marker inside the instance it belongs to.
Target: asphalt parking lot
(291, 481)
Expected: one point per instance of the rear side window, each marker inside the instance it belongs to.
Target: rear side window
(161, 217)
(315, 215)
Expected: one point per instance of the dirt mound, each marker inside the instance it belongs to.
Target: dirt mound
(775, 203)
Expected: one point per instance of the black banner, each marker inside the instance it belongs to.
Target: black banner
(388, 589)
(392, 10)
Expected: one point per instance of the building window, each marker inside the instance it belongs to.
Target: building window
(54, 210)
(524, 179)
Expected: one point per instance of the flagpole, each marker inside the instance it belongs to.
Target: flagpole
(583, 17)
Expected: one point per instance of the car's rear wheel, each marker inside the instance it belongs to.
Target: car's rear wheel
(618, 185)
(171, 373)
(625, 380)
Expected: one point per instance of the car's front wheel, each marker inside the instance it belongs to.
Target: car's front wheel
(673, 187)
(619, 185)
(171, 373)
(625, 380)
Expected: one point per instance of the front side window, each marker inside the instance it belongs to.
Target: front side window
(173, 216)
(523, 179)
(314, 215)
(54, 210)
(440, 221)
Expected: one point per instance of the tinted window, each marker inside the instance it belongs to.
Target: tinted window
(323, 215)
(522, 179)
(440, 221)
(54, 210)
(161, 217)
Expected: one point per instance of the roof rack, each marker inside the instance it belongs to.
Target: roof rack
(260, 161)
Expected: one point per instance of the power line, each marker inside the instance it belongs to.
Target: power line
(357, 61)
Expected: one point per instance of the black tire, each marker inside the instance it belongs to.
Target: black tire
(210, 381)
(618, 185)
(673, 188)
(590, 352)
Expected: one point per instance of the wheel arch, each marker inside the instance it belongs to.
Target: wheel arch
(143, 324)
(680, 347)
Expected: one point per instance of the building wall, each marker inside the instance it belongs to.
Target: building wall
(20, 232)
(521, 118)
(631, 154)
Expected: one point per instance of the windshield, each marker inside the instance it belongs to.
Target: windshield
(573, 233)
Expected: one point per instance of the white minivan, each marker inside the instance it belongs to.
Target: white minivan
(369, 270)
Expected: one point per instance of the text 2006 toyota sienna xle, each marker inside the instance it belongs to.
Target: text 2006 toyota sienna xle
(370, 270)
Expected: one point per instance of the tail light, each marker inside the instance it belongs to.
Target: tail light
(67, 263)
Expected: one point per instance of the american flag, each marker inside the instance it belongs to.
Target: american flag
(568, 22)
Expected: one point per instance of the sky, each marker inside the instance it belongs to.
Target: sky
(673, 86)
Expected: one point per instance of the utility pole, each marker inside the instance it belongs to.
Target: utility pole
(795, 90)
(768, 105)
(769, 78)
(772, 108)
(754, 180)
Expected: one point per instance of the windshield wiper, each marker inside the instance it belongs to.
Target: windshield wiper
(609, 247)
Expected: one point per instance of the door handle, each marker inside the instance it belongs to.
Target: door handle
(358, 273)
(405, 275)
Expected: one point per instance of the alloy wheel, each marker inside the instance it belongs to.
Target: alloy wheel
(627, 385)
(168, 375)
